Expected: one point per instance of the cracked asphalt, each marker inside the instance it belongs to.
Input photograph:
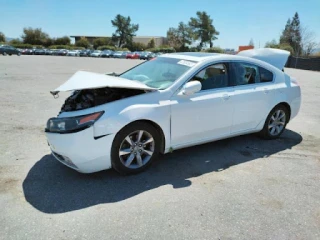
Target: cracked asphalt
(238, 188)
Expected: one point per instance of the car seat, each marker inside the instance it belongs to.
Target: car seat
(208, 83)
(217, 78)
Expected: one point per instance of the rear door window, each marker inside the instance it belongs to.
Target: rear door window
(245, 73)
(265, 75)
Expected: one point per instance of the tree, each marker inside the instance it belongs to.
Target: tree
(180, 37)
(48, 42)
(308, 43)
(251, 43)
(15, 41)
(62, 41)
(272, 44)
(83, 42)
(214, 50)
(103, 41)
(136, 46)
(292, 34)
(125, 30)
(296, 34)
(203, 29)
(286, 33)
(173, 38)
(2, 37)
(283, 46)
(151, 43)
(34, 36)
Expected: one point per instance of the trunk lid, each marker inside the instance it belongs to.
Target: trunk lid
(89, 80)
(276, 57)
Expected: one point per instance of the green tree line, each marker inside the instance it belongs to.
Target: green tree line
(199, 30)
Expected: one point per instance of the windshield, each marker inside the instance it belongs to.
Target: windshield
(159, 73)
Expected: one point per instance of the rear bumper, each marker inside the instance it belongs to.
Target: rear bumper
(81, 151)
(296, 102)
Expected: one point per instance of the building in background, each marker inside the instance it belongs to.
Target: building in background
(242, 48)
(138, 39)
(145, 39)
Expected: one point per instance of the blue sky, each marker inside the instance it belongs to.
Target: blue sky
(237, 21)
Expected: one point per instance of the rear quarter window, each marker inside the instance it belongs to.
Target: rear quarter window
(265, 75)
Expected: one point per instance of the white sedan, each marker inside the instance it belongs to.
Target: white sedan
(173, 101)
(74, 53)
(96, 53)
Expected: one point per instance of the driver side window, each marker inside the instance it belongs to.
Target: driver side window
(212, 77)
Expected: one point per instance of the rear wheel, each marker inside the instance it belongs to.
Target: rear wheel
(275, 123)
(4, 54)
(134, 148)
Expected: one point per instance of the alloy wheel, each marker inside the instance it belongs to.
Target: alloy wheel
(277, 122)
(136, 149)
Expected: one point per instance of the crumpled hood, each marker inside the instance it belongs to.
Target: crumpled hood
(275, 57)
(89, 80)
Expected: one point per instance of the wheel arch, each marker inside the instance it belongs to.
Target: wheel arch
(157, 127)
(286, 105)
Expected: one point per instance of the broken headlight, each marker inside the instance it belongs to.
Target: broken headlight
(72, 124)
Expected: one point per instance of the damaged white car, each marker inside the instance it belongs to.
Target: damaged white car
(170, 102)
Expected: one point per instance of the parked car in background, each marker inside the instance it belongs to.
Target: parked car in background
(147, 55)
(9, 50)
(39, 51)
(124, 54)
(62, 52)
(74, 53)
(174, 101)
(106, 54)
(29, 51)
(95, 53)
(85, 53)
(55, 52)
(49, 51)
(24, 51)
(133, 55)
(118, 54)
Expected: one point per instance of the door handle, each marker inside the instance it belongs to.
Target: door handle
(225, 96)
(266, 90)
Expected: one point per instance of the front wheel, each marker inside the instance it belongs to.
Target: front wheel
(275, 123)
(134, 148)
(4, 54)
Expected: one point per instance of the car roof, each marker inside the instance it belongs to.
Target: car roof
(268, 54)
(192, 56)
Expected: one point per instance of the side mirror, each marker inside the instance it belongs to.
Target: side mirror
(190, 88)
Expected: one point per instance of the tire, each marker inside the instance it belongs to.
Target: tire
(4, 54)
(275, 123)
(148, 152)
(18, 54)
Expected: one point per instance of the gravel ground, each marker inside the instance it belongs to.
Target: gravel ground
(239, 188)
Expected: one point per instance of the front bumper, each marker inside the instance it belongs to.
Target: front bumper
(81, 151)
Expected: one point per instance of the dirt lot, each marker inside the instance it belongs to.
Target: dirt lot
(240, 188)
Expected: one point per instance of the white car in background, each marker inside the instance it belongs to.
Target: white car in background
(96, 53)
(118, 54)
(74, 53)
(174, 101)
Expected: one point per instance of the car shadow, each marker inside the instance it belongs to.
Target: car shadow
(52, 187)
